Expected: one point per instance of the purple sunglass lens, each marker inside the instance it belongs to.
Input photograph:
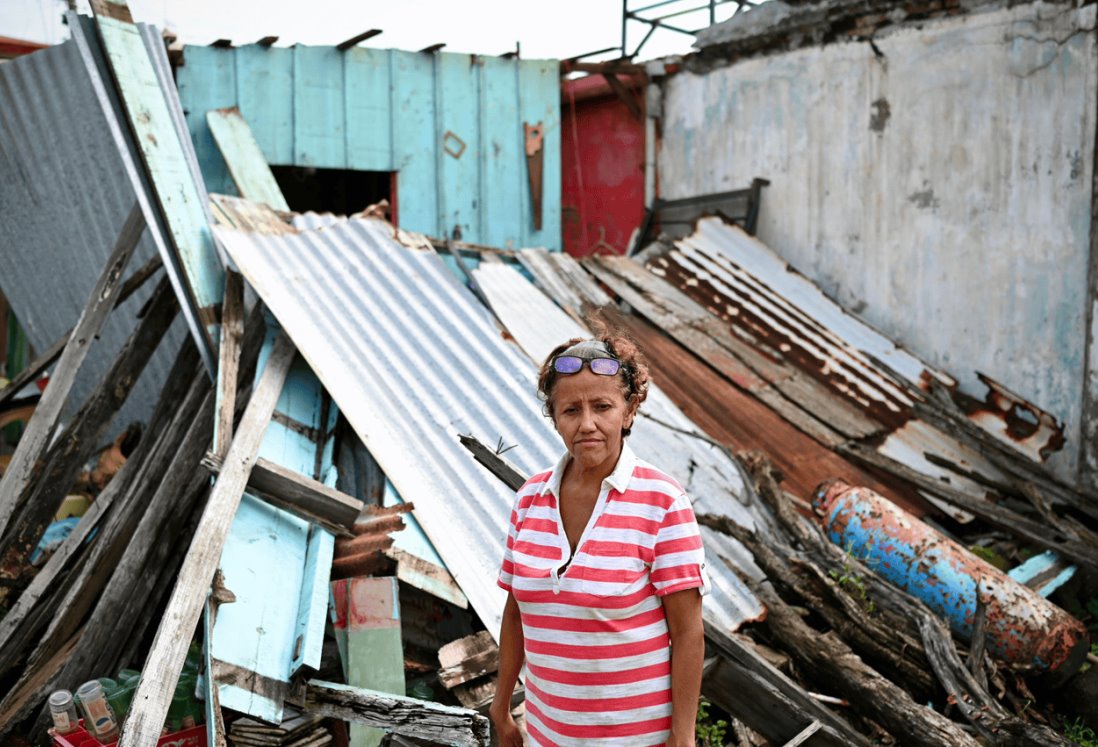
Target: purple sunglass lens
(567, 364)
(605, 366)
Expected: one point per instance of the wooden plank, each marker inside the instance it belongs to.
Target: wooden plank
(497, 465)
(232, 336)
(319, 123)
(133, 580)
(367, 615)
(165, 660)
(308, 498)
(40, 430)
(402, 716)
(38, 366)
(85, 433)
(345, 45)
(98, 562)
(467, 659)
(312, 604)
(247, 165)
(19, 628)
(367, 103)
(162, 151)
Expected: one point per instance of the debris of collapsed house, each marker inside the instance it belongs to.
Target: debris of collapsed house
(295, 537)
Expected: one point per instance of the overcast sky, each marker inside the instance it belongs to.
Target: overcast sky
(545, 28)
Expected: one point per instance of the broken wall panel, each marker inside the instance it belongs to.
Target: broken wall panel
(277, 564)
(63, 201)
(948, 201)
(449, 125)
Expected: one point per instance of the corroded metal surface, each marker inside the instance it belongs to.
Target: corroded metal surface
(1022, 627)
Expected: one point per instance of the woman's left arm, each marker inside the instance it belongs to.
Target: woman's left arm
(684, 621)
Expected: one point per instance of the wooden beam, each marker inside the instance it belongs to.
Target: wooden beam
(83, 434)
(169, 649)
(267, 41)
(36, 437)
(433, 48)
(403, 716)
(222, 44)
(232, 334)
(497, 465)
(36, 367)
(37, 604)
(345, 45)
(300, 495)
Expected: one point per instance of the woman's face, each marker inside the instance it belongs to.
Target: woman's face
(589, 412)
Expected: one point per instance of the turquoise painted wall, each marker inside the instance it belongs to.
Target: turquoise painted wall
(386, 110)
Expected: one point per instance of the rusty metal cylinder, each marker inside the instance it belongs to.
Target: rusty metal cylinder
(1022, 627)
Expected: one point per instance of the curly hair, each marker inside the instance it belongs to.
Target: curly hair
(633, 377)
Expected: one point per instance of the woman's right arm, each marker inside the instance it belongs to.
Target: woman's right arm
(511, 656)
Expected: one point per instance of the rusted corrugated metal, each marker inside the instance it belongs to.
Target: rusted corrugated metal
(744, 283)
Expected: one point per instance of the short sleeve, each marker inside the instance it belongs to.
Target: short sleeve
(679, 560)
(507, 568)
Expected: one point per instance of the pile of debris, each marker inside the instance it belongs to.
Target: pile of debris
(314, 451)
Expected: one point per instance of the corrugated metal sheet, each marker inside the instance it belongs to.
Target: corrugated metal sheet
(450, 125)
(711, 478)
(64, 196)
(744, 283)
(412, 360)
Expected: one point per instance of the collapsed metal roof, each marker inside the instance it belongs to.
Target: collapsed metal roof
(413, 360)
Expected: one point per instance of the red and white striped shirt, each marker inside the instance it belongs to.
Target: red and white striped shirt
(598, 663)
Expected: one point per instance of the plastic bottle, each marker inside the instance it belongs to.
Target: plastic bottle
(99, 719)
(63, 710)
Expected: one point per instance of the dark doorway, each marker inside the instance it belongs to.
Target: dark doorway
(339, 191)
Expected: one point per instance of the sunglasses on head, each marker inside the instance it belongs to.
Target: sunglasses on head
(570, 364)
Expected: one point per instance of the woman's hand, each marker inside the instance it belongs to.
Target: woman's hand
(507, 731)
(680, 740)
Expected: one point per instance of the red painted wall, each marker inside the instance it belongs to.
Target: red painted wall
(602, 166)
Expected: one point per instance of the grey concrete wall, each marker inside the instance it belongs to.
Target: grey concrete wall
(941, 186)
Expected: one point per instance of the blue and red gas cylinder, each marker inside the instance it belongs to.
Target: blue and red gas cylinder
(1022, 627)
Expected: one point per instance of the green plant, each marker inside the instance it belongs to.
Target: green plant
(707, 732)
(853, 582)
(1077, 731)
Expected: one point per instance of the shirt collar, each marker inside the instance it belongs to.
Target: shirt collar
(618, 479)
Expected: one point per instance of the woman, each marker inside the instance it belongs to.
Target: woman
(604, 573)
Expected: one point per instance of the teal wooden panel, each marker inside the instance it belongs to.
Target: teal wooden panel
(367, 108)
(265, 95)
(275, 564)
(319, 129)
(161, 150)
(415, 145)
(387, 110)
(539, 101)
(208, 81)
(248, 166)
(504, 163)
(459, 143)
